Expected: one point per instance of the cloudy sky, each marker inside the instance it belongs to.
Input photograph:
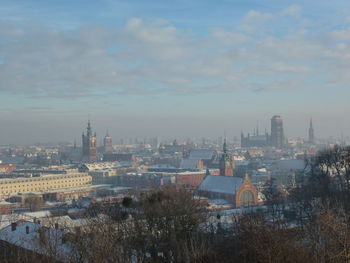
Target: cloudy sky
(174, 68)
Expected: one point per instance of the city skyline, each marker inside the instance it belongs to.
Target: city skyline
(105, 139)
(173, 69)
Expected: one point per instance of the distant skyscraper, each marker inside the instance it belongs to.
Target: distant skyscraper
(311, 134)
(155, 142)
(107, 143)
(226, 162)
(89, 145)
(277, 134)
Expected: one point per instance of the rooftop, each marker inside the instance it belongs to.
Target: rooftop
(32, 240)
(221, 184)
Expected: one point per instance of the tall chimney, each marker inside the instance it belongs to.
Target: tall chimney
(27, 229)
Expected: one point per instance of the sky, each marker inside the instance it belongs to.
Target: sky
(172, 68)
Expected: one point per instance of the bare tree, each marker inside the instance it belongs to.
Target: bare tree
(34, 203)
(259, 240)
(329, 235)
(167, 223)
(274, 199)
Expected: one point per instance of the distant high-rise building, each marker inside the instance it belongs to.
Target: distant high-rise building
(107, 143)
(277, 134)
(126, 141)
(89, 145)
(226, 162)
(155, 142)
(311, 134)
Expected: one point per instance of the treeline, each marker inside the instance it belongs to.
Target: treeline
(306, 223)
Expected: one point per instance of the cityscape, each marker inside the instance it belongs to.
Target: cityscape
(176, 132)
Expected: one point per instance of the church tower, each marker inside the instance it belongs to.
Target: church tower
(311, 134)
(226, 162)
(107, 143)
(89, 145)
(277, 134)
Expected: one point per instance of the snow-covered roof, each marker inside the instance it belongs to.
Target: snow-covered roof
(218, 202)
(289, 164)
(6, 220)
(204, 154)
(33, 239)
(188, 164)
(101, 166)
(38, 214)
(221, 184)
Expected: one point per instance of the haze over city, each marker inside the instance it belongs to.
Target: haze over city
(172, 68)
(174, 131)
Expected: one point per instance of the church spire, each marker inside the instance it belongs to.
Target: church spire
(88, 130)
(311, 133)
(226, 162)
(107, 143)
(224, 148)
(89, 145)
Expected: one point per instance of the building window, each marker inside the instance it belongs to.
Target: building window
(247, 198)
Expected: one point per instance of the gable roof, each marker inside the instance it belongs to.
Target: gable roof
(288, 164)
(204, 154)
(189, 164)
(221, 184)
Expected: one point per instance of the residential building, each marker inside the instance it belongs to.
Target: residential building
(12, 186)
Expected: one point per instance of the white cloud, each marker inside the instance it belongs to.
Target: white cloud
(256, 16)
(149, 57)
(293, 10)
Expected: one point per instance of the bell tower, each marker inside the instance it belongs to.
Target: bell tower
(107, 143)
(226, 162)
(89, 145)
(311, 133)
